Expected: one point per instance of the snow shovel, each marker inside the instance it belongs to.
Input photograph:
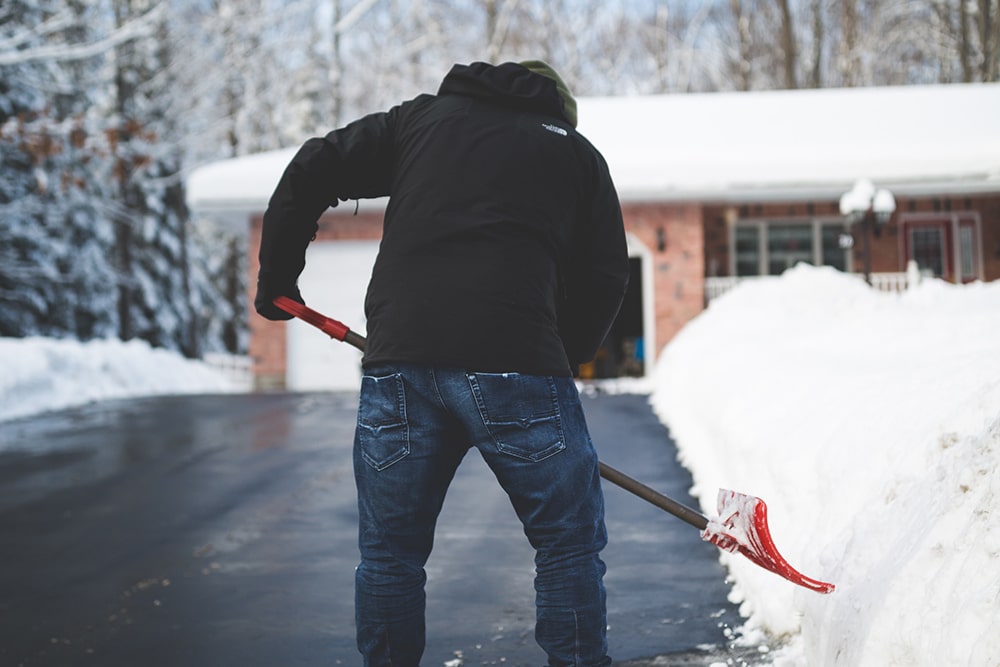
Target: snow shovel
(742, 522)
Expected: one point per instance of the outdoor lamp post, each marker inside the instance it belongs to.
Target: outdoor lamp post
(867, 205)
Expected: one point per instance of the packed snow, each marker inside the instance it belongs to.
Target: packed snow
(869, 422)
(41, 374)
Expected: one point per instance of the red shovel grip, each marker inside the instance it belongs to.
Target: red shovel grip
(327, 325)
(330, 327)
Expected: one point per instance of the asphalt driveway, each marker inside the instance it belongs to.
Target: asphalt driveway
(220, 530)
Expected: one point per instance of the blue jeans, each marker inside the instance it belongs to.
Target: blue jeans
(415, 425)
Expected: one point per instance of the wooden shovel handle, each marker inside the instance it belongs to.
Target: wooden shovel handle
(683, 512)
(635, 487)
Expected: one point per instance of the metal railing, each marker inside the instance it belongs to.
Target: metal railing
(716, 287)
(889, 282)
(237, 368)
(883, 282)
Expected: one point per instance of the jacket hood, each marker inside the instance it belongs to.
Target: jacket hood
(507, 84)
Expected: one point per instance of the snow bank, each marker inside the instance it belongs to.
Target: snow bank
(870, 424)
(42, 374)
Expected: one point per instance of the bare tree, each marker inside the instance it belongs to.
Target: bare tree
(499, 15)
(657, 38)
(335, 69)
(818, 44)
(789, 48)
(976, 32)
(742, 62)
(988, 20)
(13, 51)
(964, 40)
(753, 57)
(848, 54)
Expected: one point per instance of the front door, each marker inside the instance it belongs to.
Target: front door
(944, 245)
(622, 354)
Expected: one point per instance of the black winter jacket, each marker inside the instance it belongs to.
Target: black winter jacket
(503, 248)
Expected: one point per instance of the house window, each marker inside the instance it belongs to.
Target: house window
(764, 247)
(927, 248)
(787, 245)
(946, 245)
(748, 251)
(835, 244)
(967, 256)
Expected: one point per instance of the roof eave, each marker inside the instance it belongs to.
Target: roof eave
(967, 185)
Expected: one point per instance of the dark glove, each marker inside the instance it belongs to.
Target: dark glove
(267, 292)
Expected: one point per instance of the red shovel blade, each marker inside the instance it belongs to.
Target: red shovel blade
(329, 326)
(742, 527)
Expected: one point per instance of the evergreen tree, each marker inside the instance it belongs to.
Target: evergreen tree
(94, 230)
(54, 236)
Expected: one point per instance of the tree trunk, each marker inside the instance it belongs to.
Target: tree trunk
(819, 40)
(849, 64)
(989, 38)
(336, 70)
(124, 92)
(964, 46)
(494, 40)
(788, 47)
(661, 46)
(744, 56)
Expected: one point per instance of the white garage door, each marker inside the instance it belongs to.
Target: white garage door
(334, 283)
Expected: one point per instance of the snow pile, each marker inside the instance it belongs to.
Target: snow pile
(42, 374)
(870, 424)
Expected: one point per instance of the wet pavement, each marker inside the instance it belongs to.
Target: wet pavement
(221, 530)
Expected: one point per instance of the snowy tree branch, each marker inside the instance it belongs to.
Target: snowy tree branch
(141, 26)
(55, 24)
(354, 15)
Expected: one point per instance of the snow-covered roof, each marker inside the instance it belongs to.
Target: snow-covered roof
(774, 145)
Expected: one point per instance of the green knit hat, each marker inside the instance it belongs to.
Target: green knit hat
(543, 68)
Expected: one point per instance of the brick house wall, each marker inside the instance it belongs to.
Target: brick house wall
(673, 235)
(887, 249)
(989, 209)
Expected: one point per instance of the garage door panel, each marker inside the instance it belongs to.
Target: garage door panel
(334, 283)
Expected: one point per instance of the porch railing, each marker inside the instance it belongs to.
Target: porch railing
(889, 282)
(237, 368)
(883, 282)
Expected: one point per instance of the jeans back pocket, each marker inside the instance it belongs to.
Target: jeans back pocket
(383, 434)
(520, 412)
